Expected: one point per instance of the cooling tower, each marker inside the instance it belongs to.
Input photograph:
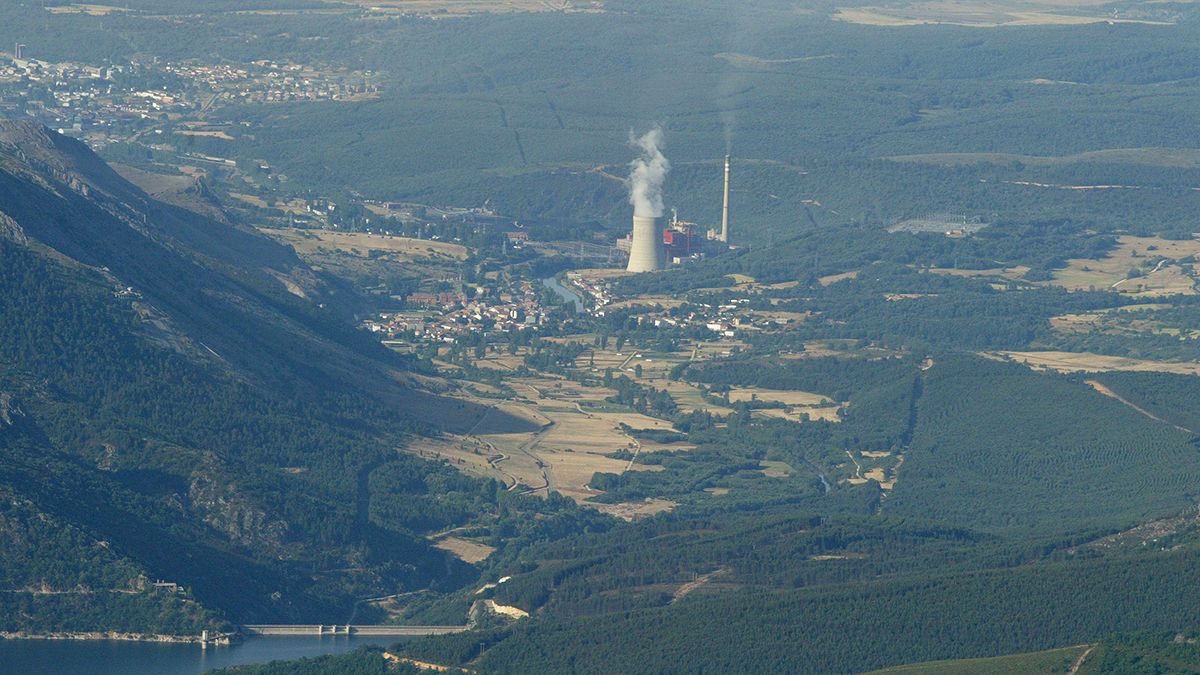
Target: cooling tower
(646, 254)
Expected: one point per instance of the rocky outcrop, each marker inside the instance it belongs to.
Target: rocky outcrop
(10, 410)
(217, 500)
(11, 230)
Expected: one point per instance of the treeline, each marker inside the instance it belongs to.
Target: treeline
(839, 378)
(362, 661)
(1145, 652)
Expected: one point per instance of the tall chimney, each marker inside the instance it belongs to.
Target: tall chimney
(725, 208)
(646, 253)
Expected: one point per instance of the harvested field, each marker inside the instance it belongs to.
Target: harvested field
(220, 135)
(1074, 362)
(464, 549)
(1016, 273)
(798, 403)
(689, 397)
(570, 447)
(834, 278)
(791, 398)
(464, 454)
(635, 510)
(468, 7)
(90, 10)
(362, 244)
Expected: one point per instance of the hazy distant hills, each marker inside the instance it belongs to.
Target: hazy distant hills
(184, 399)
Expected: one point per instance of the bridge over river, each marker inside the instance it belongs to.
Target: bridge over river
(343, 629)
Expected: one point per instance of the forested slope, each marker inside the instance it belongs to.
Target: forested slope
(1003, 448)
(177, 402)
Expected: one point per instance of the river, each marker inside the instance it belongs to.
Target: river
(563, 292)
(111, 657)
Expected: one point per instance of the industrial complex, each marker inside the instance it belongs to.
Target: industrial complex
(652, 247)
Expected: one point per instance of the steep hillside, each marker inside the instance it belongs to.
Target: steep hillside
(194, 399)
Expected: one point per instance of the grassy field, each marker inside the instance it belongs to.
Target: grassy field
(979, 14)
(1051, 661)
(362, 244)
(798, 403)
(90, 10)
(1074, 362)
(1015, 273)
(578, 431)
(1182, 158)
(881, 467)
(203, 133)
(1156, 259)
(1117, 321)
(465, 7)
(464, 549)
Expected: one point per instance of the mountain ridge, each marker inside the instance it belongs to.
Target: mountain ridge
(166, 392)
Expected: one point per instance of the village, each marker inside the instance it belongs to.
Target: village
(109, 103)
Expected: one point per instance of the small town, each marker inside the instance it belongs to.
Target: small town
(118, 102)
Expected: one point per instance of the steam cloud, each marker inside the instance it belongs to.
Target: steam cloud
(647, 174)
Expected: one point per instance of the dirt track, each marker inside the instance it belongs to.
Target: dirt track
(1099, 387)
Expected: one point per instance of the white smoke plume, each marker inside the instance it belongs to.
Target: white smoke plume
(647, 174)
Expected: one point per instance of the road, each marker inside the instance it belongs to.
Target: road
(1079, 661)
(496, 457)
(690, 586)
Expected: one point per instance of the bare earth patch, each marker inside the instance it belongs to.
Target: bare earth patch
(466, 550)
(1074, 362)
(834, 278)
(362, 244)
(635, 510)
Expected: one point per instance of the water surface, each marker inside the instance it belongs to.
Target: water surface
(563, 292)
(111, 657)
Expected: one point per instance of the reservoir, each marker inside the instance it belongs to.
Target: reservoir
(111, 657)
(563, 292)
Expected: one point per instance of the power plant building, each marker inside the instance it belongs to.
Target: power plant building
(652, 246)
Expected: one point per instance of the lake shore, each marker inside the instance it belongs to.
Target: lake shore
(119, 636)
